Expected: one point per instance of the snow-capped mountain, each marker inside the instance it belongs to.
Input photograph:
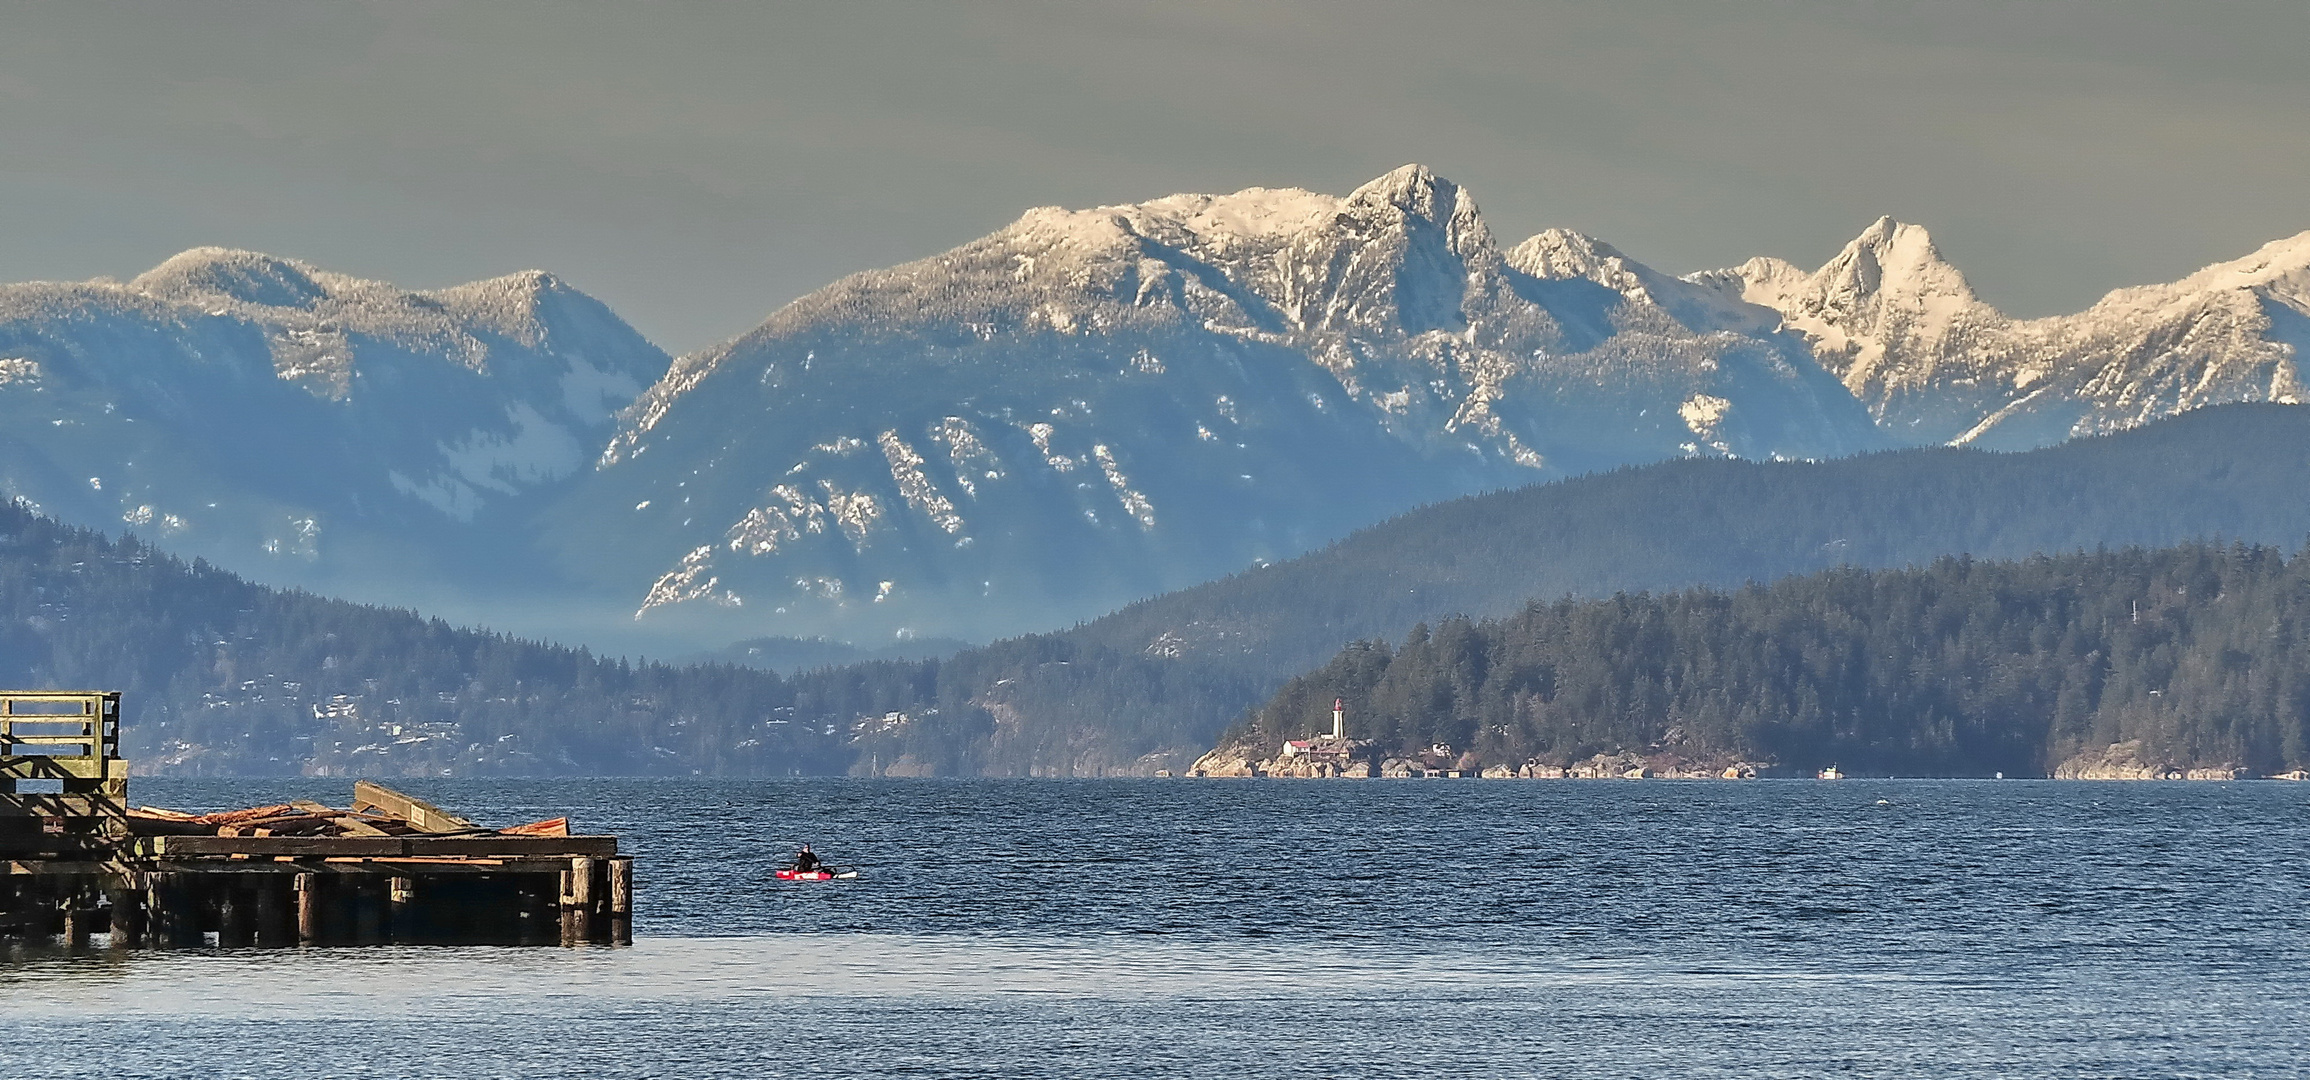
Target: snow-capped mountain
(1934, 364)
(1081, 409)
(306, 426)
(1095, 405)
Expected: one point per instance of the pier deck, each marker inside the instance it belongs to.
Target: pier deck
(77, 860)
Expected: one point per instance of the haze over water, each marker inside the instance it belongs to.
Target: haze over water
(1127, 928)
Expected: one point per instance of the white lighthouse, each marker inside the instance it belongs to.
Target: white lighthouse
(1338, 719)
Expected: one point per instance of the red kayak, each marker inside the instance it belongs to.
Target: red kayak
(788, 873)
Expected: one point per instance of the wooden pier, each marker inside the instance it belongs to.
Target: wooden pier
(76, 860)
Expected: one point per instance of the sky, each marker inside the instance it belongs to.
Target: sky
(698, 165)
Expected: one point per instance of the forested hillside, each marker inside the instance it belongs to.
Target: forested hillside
(787, 655)
(228, 677)
(1165, 677)
(225, 677)
(1964, 667)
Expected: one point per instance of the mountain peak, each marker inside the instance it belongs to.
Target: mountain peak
(1411, 199)
(1251, 212)
(526, 288)
(1892, 258)
(1883, 229)
(251, 277)
(1562, 254)
(2285, 260)
(520, 305)
(1188, 220)
(1416, 190)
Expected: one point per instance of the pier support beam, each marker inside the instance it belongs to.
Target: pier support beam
(155, 916)
(401, 923)
(79, 922)
(577, 900)
(127, 916)
(621, 901)
(308, 890)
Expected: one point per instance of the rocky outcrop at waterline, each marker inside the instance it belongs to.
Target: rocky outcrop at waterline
(1360, 760)
(1321, 759)
(2130, 760)
(1312, 760)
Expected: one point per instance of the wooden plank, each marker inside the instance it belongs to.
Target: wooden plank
(254, 813)
(68, 805)
(368, 794)
(491, 844)
(205, 867)
(378, 846)
(170, 846)
(424, 867)
(12, 696)
(429, 860)
(52, 768)
(549, 827)
(44, 867)
(283, 825)
(357, 827)
(151, 826)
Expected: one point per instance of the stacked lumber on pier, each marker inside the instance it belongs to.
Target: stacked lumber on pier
(77, 859)
(515, 880)
(377, 810)
(388, 868)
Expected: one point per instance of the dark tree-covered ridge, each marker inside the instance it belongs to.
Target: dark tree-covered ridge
(1154, 684)
(226, 677)
(1963, 667)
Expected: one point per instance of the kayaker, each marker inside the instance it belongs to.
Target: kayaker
(805, 860)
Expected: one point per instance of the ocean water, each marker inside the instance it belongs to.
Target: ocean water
(1291, 929)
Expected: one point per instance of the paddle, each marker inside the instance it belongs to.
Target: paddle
(845, 873)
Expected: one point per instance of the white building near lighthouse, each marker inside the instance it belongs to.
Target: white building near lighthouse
(1334, 743)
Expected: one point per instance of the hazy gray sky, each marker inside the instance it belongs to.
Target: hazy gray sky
(697, 165)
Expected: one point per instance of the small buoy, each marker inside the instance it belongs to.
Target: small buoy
(1884, 802)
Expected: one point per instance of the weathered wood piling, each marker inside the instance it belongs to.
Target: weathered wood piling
(77, 861)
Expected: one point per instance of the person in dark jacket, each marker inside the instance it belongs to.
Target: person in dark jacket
(805, 860)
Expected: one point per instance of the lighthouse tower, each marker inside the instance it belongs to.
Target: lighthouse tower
(1338, 719)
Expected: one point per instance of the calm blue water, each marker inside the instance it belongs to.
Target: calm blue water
(1293, 929)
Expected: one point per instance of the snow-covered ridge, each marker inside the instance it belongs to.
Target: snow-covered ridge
(256, 407)
(1187, 349)
(1401, 270)
(1084, 407)
(1181, 387)
(311, 314)
(1905, 333)
(1565, 255)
